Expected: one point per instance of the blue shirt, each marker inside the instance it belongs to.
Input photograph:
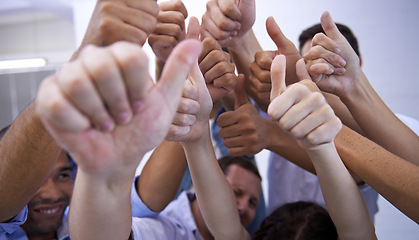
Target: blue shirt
(12, 231)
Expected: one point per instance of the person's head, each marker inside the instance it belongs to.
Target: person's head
(297, 221)
(47, 207)
(245, 181)
(307, 35)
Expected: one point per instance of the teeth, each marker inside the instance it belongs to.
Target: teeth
(49, 211)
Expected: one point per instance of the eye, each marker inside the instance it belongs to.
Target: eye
(64, 176)
(237, 192)
(253, 204)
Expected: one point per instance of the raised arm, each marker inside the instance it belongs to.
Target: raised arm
(108, 142)
(302, 111)
(377, 121)
(27, 151)
(27, 154)
(214, 194)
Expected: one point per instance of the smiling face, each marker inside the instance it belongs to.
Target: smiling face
(247, 187)
(46, 209)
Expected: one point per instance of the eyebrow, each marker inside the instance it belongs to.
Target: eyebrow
(66, 168)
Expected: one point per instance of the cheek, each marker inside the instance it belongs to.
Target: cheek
(67, 189)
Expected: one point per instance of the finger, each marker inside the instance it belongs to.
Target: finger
(176, 69)
(77, 84)
(171, 18)
(330, 27)
(133, 62)
(327, 43)
(227, 119)
(52, 106)
(311, 121)
(264, 59)
(318, 51)
(325, 133)
(307, 105)
(319, 68)
(240, 92)
(230, 9)
(193, 28)
(169, 29)
(211, 54)
(261, 75)
(278, 70)
(176, 5)
(301, 69)
(218, 70)
(210, 29)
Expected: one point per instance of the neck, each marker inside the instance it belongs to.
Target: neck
(199, 221)
(46, 236)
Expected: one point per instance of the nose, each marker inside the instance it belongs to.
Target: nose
(242, 206)
(49, 190)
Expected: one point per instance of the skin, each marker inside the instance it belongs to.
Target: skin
(25, 163)
(353, 87)
(302, 111)
(54, 196)
(109, 172)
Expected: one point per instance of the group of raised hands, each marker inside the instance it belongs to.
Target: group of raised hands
(105, 110)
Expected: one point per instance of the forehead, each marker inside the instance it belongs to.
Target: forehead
(62, 161)
(240, 177)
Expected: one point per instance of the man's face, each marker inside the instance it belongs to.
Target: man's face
(46, 209)
(247, 187)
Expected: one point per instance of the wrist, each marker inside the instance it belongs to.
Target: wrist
(244, 44)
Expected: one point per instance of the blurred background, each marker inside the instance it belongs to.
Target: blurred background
(387, 32)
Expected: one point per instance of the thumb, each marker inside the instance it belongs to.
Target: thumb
(176, 69)
(301, 69)
(330, 27)
(276, 34)
(240, 92)
(193, 28)
(278, 69)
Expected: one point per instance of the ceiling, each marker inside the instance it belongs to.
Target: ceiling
(17, 10)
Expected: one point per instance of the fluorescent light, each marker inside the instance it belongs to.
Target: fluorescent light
(23, 63)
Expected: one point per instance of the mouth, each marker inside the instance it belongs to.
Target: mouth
(50, 210)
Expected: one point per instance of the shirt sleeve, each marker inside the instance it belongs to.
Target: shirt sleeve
(11, 226)
(139, 209)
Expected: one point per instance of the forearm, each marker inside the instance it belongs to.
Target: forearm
(161, 176)
(380, 124)
(341, 195)
(211, 189)
(285, 145)
(27, 154)
(100, 208)
(393, 177)
(243, 54)
(342, 112)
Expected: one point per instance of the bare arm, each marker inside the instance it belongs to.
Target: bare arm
(161, 176)
(106, 144)
(214, 194)
(27, 154)
(376, 120)
(393, 177)
(303, 112)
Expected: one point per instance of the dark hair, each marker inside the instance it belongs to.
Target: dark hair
(346, 32)
(297, 221)
(243, 162)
